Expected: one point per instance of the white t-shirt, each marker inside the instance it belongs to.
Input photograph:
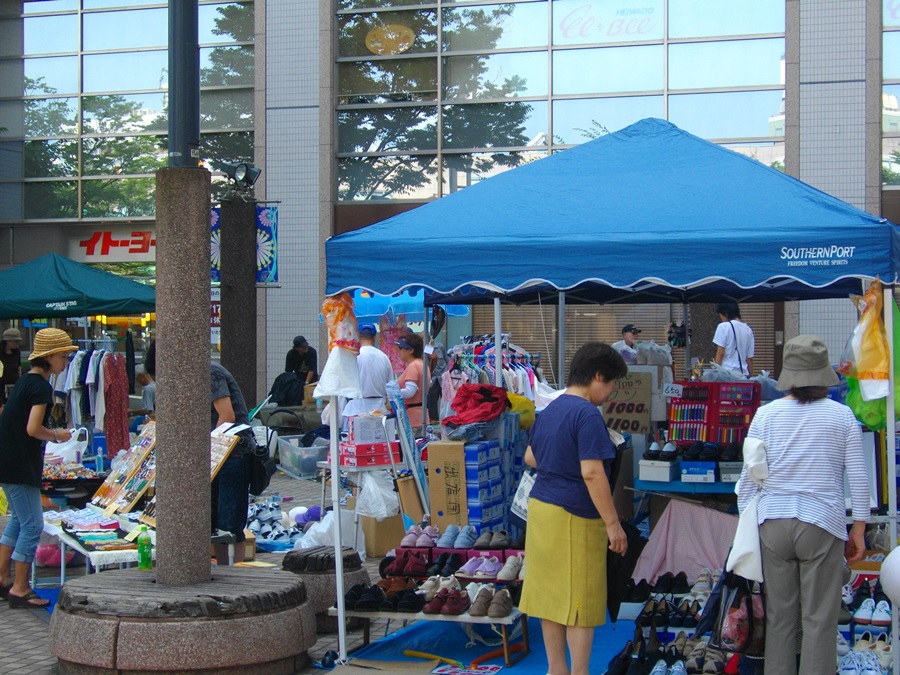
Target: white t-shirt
(374, 372)
(738, 341)
(628, 353)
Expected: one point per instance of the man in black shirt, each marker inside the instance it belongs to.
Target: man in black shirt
(302, 360)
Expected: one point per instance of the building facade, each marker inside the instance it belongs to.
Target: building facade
(360, 109)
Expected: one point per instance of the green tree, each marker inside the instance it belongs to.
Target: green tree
(888, 175)
(413, 129)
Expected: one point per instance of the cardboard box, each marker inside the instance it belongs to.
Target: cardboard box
(870, 567)
(361, 449)
(410, 504)
(308, 398)
(249, 546)
(366, 460)
(447, 484)
(657, 470)
(366, 429)
(730, 472)
(698, 472)
(382, 535)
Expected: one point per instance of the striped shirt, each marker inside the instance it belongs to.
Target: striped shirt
(809, 448)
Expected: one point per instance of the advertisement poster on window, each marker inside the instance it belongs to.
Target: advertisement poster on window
(266, 244)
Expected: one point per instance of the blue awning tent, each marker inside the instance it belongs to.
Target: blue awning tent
(650, 213)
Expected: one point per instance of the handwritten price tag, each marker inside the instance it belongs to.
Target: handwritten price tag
(628, 408)
(673, 390)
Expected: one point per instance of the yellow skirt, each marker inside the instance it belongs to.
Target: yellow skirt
(565, 574)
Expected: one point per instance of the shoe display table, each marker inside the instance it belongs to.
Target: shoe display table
(504, 623)
(93, 559)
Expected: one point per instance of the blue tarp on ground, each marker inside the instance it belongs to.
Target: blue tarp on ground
(650, 213)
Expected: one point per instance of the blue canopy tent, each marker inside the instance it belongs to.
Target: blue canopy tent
(650, 213)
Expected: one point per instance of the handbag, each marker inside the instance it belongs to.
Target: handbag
(740, 624)
(262, 466)
(518, 510)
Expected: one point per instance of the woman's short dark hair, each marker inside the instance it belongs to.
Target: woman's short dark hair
(809, 394)
(40, 362)
(418, 345)
(729, 310)
(594, 358)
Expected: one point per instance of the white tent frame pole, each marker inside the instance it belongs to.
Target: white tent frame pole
(561, 355)
(334, 422)
(498, 344)
(890, 447)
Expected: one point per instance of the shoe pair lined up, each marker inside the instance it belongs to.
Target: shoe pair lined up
(362, 598)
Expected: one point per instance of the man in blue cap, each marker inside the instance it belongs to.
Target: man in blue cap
(374, 372)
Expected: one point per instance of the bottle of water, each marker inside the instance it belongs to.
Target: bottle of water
(320, 405)
(145, 547)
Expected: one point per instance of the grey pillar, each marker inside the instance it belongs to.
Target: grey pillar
(182, 369)
(238, 281)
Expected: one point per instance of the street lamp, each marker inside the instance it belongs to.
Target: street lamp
(241, 174)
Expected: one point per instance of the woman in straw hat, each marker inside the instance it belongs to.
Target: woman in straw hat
(11, 358)
(23, 431)
(810, 442)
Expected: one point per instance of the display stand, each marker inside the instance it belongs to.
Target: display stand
(504, 624)
(108, 495)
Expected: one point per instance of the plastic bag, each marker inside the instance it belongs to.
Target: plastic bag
(377, 498)
(871, 413)
(525, 408)
(866, 356)
(741, 623)
(653, 354)
(71, 450)
(544, 394)
(717, 373)
(322, 533)
(769, 386)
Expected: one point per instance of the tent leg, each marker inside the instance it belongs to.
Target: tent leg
(891, 455)
(687, 342)
(335, 423)
(498, 344)
(561, 354)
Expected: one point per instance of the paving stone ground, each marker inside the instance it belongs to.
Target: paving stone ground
(24, 633)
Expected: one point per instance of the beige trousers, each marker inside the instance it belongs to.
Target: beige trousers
(803, 568)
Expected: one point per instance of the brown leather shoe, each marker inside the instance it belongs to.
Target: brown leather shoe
(482, 600)
(457, 603)
(501, 605)
(398, 586)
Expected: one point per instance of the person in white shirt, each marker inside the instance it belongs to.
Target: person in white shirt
(374, 372)
(735, 344)
(627, 346)
(812, 443)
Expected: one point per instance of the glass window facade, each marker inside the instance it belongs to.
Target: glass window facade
(890, 108)
(498, 84)
(83, 102)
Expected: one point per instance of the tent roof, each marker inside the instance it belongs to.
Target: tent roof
(650, 213)
(55, 286)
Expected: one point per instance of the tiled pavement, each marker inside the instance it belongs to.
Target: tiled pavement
(24, 634)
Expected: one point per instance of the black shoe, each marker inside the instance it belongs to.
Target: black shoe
(692, 453)
(864, 591)
(435, 568)
(618, 665)
(669, 452)
(676, 620)
(680, 584)
(411, 602)
(710, 452)
(645, 618)
(664, 583)
(222, 537)
(654, 650)
(661, 616)
(351, 596)
(638, 656)
(878, 593)
(731, 453)
(639, 592)
(454, 562)
(652, 452)
(515, 591)
(389, 604)
(370, 600)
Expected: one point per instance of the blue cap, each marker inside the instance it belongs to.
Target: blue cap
(367, 329)
(403, 344)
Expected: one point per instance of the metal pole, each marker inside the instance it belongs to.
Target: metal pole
(184, 84)
(498, 345)
(561, 373)
(891, 453)
(335, 423)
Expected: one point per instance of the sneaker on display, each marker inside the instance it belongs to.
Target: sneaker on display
(842, 646)
(863, 615)
(881, 615)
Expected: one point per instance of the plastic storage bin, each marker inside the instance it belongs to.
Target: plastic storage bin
(299, 460)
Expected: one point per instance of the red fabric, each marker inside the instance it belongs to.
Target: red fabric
(116, 424)
(477, 403)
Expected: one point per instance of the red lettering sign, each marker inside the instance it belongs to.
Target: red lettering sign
(102, 242)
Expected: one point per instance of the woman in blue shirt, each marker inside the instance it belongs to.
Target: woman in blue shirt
(571, 515)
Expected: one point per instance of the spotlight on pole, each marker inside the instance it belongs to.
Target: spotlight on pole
(241, 175)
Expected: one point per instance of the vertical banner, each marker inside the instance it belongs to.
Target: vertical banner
(266, 244)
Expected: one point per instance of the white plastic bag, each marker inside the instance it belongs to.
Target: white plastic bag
(377, 498)
(717, 373)
(544, 394)
(71, 450)
(653, 354)
(322, 533)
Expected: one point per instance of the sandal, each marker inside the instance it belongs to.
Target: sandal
(4, 591)
(32, 599)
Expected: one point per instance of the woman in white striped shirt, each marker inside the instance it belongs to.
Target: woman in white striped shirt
(811, 442)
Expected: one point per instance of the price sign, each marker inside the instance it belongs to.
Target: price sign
(628, 408)
(673, 390)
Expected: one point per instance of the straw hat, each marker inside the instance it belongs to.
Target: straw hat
(806, 364)
(49, 341)
(11, 334)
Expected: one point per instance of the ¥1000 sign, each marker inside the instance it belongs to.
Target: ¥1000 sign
(628, 408)
(266, 244)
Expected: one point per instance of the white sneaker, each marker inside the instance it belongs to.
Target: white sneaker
(510, 569)
(678, 668)
(450, 583)
(522, 569)
(847, 593)
(881, 616)
(661, 668)
(842, 646)
(863, 615)
(849, 665)
(870, 664)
